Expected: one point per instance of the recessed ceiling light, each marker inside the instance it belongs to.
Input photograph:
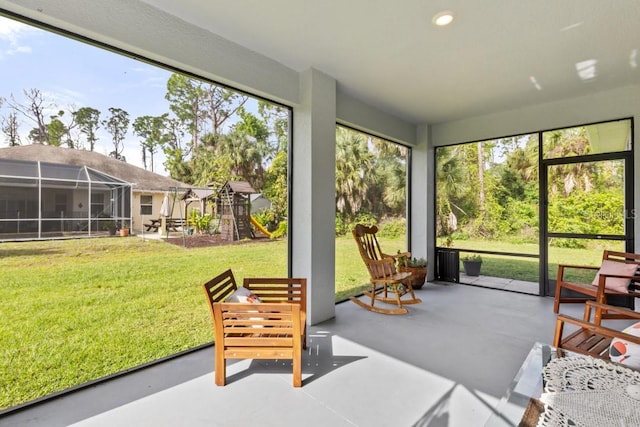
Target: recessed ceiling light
(443, 18)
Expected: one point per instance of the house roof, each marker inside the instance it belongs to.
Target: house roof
(140, 179)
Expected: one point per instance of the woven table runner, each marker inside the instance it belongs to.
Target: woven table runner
(585, 391)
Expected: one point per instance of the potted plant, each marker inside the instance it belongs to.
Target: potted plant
(124, 230)
(417, 267)
(472, 264)
(110, 226)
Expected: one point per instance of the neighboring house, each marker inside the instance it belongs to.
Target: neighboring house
(148, 188)
(259, 202)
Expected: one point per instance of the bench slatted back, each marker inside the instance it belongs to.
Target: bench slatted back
(220, 287)
(274, 290)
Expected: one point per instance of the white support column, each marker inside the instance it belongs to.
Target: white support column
(313, 222)
(422, 193)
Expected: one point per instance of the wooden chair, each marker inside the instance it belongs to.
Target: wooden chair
(383, 274)
(591, 337)
(275, 290)
(272, 329)
(600, 292)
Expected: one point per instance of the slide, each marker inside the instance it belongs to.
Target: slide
(259, 226)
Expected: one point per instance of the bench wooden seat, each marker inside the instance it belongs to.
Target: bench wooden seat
(591, 337)
(272, 329)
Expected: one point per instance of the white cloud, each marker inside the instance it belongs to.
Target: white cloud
(11, 33)
(64, 97)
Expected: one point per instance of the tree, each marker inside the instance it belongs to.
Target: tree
(56, 130)
(34, 110)
(275, 188)
(276, 119)
(176, 155)
(222, 103)
(186, 98)
(354, 163)
(387, 194)
(10, 127)
(481, 193)
(117, 125)
(153, 130)
(88, 120)
(449, 176)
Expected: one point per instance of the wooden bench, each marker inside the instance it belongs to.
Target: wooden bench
(591, 337)
(272, 329)
(152, 225)
(172, 224)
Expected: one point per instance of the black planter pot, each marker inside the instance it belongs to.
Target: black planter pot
(472, 268)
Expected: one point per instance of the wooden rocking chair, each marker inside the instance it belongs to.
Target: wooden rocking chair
(384, 276)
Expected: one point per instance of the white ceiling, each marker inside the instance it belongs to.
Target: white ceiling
(497, 55)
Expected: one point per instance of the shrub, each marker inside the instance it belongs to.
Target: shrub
(200, 222)
(281, 229)
(393, 228)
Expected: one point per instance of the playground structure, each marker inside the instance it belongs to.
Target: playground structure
(260, 228)
(234, 209)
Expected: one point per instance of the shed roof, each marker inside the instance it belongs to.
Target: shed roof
(242, 187)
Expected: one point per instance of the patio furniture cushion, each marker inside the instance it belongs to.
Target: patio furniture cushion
(625, 352)
(243, 295)
(617, 268)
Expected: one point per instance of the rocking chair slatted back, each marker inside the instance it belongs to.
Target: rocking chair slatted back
(369, 246)
(379, 264)
(382, 271)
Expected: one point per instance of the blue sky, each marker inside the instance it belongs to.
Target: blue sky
(73, 74)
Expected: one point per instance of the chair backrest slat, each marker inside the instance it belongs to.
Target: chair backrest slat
(220, 287)
(377, 265)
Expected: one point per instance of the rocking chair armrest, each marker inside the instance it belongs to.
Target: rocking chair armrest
(398, 255)
(387, 260)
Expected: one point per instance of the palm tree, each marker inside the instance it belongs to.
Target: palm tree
(449, 177)
(354, 170)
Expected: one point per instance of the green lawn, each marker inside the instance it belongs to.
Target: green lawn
(78, 310)
(527, 268)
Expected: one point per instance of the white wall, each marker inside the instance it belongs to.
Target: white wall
(358, 115)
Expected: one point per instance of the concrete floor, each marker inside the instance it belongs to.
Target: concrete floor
(446, 363)
(501, 283)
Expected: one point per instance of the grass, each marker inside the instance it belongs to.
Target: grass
(527, 268)
(78, 310)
